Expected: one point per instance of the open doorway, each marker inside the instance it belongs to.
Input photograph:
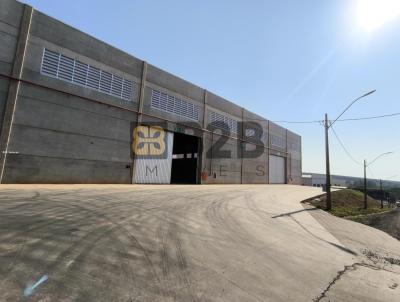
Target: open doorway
(185, 154)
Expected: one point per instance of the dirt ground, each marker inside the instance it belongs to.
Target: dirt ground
(388, 222)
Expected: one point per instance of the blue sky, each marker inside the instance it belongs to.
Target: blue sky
(283, 59)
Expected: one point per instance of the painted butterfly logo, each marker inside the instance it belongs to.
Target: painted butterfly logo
(148, 140)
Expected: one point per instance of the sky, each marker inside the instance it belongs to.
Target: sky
(286, 60)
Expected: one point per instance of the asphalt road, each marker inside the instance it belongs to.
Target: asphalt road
(186, 243)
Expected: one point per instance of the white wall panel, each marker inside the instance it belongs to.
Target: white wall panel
(152, 170)
(276, 170)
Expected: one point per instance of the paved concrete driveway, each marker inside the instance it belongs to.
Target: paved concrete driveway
(187, 243)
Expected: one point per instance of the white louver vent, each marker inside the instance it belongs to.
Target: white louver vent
(171, 104)
(224, 122)
(74, 71)
(93, 78)
(50, 63)
(66, 68)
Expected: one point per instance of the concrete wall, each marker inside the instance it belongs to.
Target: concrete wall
(319, 180)
(4, 84)
(219, 168)
(10, 19)
(165, 82)
(255, 170)
(66, 133)
(294, 152)
(63, 137)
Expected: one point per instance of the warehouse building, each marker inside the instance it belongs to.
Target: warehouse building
(76, 110)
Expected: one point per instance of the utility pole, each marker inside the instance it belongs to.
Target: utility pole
(327, 125)
(383, 194)
(328, 170)
(365, 185)
(365, 176)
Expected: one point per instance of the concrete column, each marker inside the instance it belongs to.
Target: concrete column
(301, 158)
(142, 89)
(205, 96)
(139, 114)
(240, 141)
(14, 86)
(288, 159)
(269, 147)
(202, 158)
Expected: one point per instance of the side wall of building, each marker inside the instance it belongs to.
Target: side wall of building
(63, 132)
(10, 20)
(71, 136)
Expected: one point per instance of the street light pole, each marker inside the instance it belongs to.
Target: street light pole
(382, 192)
(328, 170)
(327, 125)
(365, 176)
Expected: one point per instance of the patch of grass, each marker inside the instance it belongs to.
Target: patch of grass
(375, 257)
(349, 203)
(349, 211)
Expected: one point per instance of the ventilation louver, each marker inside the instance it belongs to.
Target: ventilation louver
(223, 122)
(62, 67)
(171, 104)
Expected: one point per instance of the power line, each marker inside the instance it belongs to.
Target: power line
(298, 122)
(248, 119)
(344, 148)
(341, 120)
(370, 117)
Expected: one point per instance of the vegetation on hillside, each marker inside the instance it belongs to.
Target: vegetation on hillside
(347, 203)
(394, 193)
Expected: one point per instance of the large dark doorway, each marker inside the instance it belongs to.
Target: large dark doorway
(185, 154)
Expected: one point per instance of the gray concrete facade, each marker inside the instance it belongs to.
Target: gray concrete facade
(55, 131)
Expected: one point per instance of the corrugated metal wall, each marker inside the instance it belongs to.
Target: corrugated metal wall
(153, 170)
(276, 170)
